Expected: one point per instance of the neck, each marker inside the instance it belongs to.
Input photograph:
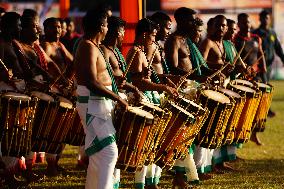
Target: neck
(27, 41)
(182, 33)
(96, 39)
(111, 44)
(265, 27)
(244, 34)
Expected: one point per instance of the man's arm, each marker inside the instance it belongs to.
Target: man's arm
(204, 48)
(171, 51)
(278, 48)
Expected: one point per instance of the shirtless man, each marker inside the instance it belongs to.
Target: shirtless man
(10, 30)
(110, 47)
(146, 31)
(55, 49)
(96, 90)
(176, 47)
(253, 50)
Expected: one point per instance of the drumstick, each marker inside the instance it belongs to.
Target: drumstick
(183, 78)
(238, 54)
(248, 53)
(3, 64)
(128, 66)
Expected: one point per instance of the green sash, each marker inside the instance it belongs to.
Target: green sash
(230, 55)
(196, 57)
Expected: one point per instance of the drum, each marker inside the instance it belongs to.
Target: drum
(53, 119)
(16, 119)
(133, 127)
(189, 89)
(200, 113)
(174, 135)
(239, 102)
(252, 99)
(76, 134)
(243, 82)
(161, 119)
(220, 106)
(263, 108)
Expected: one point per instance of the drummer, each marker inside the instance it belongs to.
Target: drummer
(55, 49)
(96, 85)
(10, 30)
(253, 51)
(140, 71)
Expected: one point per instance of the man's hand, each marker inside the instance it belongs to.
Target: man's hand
(120, 81)
(171, 91)
(123, 104)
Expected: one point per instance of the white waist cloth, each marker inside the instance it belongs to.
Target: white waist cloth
(95, 112)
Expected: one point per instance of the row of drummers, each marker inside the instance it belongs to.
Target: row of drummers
(215, 117)
(38, 122)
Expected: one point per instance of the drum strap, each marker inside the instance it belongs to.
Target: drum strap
(229, 50)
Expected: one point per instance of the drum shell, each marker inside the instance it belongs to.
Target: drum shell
(212, 133)
(132, 135)
(16, 122)
(51, 125)
(175, 132)
(76, 134)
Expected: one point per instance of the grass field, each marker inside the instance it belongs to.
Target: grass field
(263, 167)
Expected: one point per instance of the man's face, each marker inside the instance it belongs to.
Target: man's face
(244, 24)
(33, 29)
(232, 30)
(196, 34)
(70, 28)
(265, 20)
(63, 28)
(220, 27)
(150, 37)
(53, 31)
(120, 36)
(104, 28)
(15, 29)
(164, 31)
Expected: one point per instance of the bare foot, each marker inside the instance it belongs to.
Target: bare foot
(205, 176)
(254, 138)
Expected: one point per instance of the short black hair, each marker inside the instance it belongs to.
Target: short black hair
(145, 25)
(93, 20)
(68, 21)
(114, 23)
(198, 22)
(30, 13)
(26, 20)
(183, 13)
(264, 13)
(8, 20)
(230, 21)
(160, 18)
(220, 16)
(242, 16)
(49, 21)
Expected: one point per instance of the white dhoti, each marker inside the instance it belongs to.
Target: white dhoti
(100, 143)
(203, 159)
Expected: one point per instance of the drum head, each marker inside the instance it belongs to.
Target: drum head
(16, 96)
(263, 85)
(229, 93)
(192, 103)
(140, 112)
(244, 82)
(216, 96)
(180, 109)
(65, 103)
(42, 96)
(244, 88)
(152, 106)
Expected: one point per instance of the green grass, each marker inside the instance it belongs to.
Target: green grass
(262, 169)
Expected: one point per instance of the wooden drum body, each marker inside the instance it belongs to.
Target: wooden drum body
(233, 121)
(263, 108)
(133, 127)
(16, 120)
(171, 143)
(243, 130)
(212, 133)
(53, 120)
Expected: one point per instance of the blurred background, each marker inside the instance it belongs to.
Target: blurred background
(206, 9)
